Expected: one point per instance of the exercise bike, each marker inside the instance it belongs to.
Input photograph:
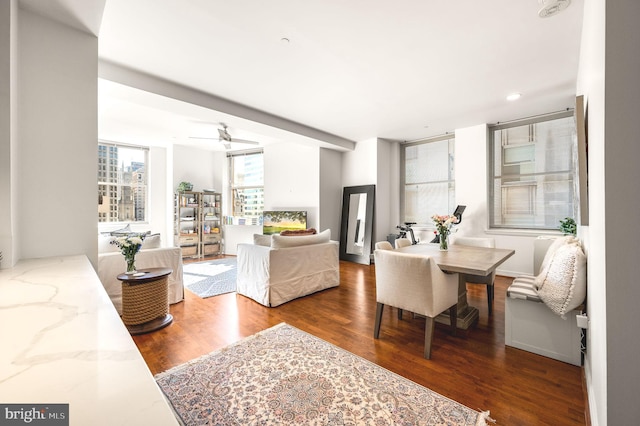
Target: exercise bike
(404, 229)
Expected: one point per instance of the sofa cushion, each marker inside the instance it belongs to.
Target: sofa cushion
(279, 241)
(104, 244)
(262, 240)
(523, 287)
(562, 286)
(151, 241)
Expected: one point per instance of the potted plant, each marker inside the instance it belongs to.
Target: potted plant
(568, 226)
(185, 186)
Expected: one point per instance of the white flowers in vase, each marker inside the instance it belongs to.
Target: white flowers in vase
(129, 246)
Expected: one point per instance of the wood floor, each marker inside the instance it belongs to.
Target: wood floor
(474, 368)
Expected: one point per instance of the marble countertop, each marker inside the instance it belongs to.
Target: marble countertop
(62, 341)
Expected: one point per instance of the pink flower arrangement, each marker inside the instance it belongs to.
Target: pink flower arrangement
(444, 223)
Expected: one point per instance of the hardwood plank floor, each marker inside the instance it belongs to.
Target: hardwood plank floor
(474, 368)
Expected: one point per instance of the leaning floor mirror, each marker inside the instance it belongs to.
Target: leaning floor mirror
(357, 223)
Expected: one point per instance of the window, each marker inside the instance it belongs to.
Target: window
(246, 176)
(428, 179)
(122, 183)
(532, 172)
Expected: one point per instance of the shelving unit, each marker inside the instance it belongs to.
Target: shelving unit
(197, 223)
(211, 224)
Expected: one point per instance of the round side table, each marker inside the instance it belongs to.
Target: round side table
(145, 300)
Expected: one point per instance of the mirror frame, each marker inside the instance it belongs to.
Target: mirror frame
(370, 191)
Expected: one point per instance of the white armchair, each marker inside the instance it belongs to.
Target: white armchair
(402, 242)
(384, 245)
(478, 279)
(414, 283)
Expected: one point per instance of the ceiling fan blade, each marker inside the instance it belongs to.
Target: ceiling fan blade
(234, 140)
(224, 135)
(198, 137)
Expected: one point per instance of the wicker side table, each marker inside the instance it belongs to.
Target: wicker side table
(145, 300)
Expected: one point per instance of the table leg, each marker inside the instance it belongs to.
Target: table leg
(467, 315)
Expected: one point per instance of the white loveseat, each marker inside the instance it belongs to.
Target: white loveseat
(277, 269)
(111, 263)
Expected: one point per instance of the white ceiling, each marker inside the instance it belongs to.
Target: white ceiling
(358, 69)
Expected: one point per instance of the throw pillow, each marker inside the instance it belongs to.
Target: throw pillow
(151, 241)
(557, 243)
(278, 241)
(104, 244)
(262, 240)
(564, 283)
(297, 232)
(122, 232)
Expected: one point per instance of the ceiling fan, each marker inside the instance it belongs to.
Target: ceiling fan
(226, 139)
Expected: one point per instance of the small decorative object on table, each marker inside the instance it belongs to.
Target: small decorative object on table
(129, 246)
(443, 228)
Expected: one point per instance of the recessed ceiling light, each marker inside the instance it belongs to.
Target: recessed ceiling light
(513, 96)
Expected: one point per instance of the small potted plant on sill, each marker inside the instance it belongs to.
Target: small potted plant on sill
(568, 226)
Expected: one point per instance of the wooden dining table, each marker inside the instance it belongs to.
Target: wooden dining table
(461, 259)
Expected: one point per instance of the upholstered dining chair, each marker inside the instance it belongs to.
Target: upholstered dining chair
(402, 242)
(384, 245)
(414, 283)
(477, 279)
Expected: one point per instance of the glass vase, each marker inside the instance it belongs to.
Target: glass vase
(444, 242)
(131, 264)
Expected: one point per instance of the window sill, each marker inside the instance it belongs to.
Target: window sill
(523, 232)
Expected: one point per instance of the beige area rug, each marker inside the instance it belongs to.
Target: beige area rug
(283, 375)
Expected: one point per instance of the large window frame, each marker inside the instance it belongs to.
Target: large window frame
(246, 186)
(123, 189)
(532, 173)
(427, 179)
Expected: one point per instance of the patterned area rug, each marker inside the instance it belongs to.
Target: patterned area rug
(283, 375)
(211, 278)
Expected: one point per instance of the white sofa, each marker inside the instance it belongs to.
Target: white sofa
(277, 269)
(111, 263)
(544, 322)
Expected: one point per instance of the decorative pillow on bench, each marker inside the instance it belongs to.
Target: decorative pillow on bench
(562, 283)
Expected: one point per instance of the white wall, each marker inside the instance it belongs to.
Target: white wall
(387, 211)
(330, 204)
(591, 84)
(359, 167)
(291, 179)
(57, 133)
(197, 166)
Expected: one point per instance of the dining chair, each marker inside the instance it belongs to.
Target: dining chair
(414, 283)
(478, 279)
(402, 242)
(383, 245)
